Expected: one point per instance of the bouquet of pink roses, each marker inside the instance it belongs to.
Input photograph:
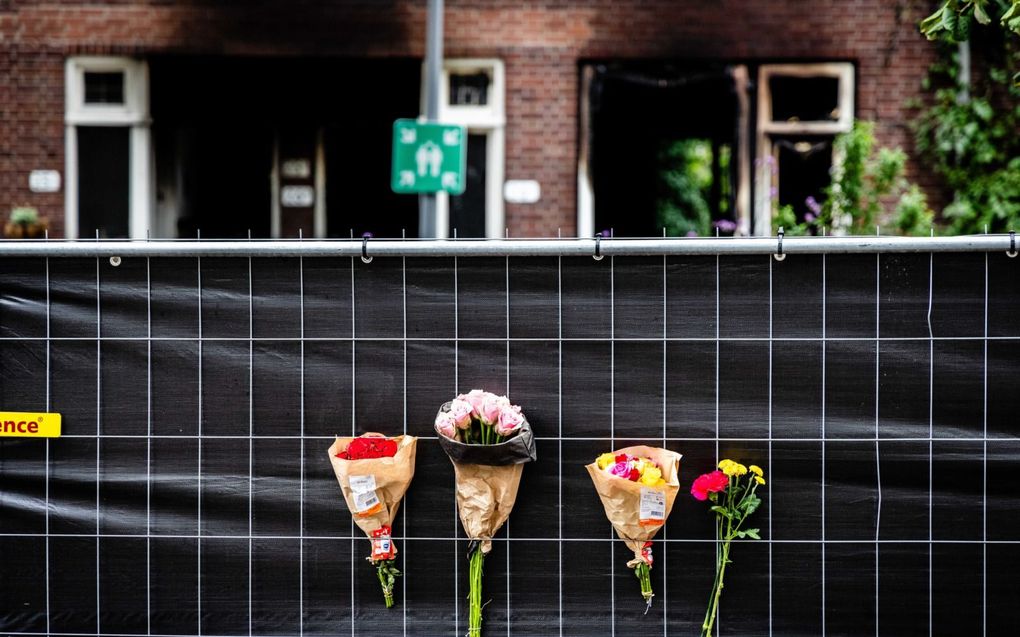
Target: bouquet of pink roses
(488, 440)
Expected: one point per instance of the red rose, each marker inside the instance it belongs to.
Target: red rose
(634, 476)
(709, 483)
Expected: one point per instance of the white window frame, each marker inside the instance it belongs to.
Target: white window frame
(133, 114)
(767, 169)
(489, 120)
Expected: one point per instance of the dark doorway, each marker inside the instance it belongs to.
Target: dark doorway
(103, 168)
(663, 139)
(467, 210)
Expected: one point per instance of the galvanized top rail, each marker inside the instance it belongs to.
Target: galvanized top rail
(594, 247)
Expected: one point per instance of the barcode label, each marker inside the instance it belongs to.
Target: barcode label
(365, 501)
(653, 506)
(362, 484)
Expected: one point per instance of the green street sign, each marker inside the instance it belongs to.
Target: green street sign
(428, 157)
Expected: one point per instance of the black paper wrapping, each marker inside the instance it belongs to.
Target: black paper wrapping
(189, 494)
(517, 450)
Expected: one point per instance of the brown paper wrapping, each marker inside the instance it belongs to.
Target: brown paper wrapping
(487, 478)
(485, 497)
(392, 477)
(622, 498)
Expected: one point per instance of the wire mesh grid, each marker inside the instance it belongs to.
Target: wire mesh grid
(191, 495)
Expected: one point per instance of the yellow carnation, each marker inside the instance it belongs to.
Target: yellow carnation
(731, 468)
(759, 479)
(756, 470)
(605, 460)
(652, 476)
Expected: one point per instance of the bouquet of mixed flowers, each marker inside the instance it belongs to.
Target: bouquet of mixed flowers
(374, 472)
(637, 486)
(488, 440)
(733, 500)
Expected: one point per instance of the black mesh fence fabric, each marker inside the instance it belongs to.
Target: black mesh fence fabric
(191, 491)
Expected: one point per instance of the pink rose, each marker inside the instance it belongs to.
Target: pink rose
(446, 425)
(621, 470)
(709, 483)
(510, 420)
(491, 407)
(475, 398)
(461, 412)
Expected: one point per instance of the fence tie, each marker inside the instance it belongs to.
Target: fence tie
(779, 256)
(364, 249)
(1011, 253)
(598, 247)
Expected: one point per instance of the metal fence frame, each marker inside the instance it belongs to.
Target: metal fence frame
(596, 247)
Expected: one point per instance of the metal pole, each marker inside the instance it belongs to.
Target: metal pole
(791, 247)
(433, 70)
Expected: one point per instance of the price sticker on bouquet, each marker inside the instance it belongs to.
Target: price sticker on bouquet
(382, 544)
(653, 507)
(366, 500)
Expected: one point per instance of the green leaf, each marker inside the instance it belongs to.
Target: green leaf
(722, 511)
(931, 25)
(752, 533)
(751, 504)
(979, 12)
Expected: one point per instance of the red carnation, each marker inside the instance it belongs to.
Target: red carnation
(709, 483)
(634, 476)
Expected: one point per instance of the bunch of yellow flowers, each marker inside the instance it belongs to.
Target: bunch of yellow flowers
(731, 468)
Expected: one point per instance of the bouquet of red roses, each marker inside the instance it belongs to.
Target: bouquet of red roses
(488, 440)
(637, 486)
(374, 472)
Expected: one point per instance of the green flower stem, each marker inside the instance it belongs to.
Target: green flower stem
(475, 594)
(644, 574)
(387, 572)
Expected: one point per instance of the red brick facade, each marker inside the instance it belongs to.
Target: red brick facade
(541, 44)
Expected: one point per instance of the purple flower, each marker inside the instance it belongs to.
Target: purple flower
(813, 205)
(725, 225)
(773, 192)
(809, 217)
(692, 233)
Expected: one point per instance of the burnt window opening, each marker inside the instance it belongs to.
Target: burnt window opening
(662, 149)
(469, 89)
(804, 99)
(104, 87)
(804, 169)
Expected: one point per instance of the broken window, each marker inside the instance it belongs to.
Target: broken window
(801, 109)
(659, 149)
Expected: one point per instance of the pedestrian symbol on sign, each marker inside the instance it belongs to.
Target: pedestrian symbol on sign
(428, 157)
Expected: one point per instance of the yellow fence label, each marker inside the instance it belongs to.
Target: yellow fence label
(19, 424)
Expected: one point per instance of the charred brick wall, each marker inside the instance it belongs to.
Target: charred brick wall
(540, 42)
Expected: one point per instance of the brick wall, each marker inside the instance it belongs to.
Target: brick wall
(541, 43)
